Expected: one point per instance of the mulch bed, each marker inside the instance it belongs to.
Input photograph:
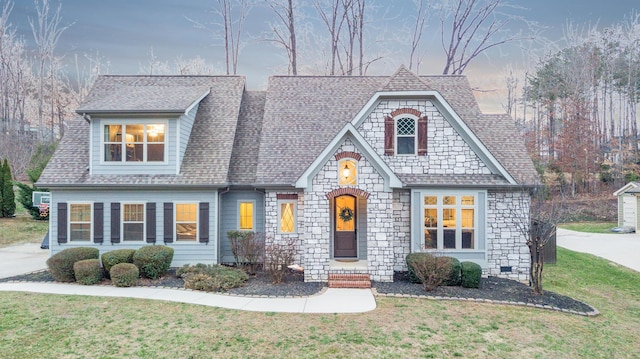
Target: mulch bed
(491, 289)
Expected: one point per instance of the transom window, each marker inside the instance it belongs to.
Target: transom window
(186, 222)
(132, 221)
(80, 222)
(449, 221)
(287, 216)
(245, 216)
(406, 136)
(134, 142)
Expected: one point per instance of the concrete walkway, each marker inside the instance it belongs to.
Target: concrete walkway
(26, 258)
(621, 248)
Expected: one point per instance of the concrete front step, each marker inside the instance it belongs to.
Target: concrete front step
(341, 280)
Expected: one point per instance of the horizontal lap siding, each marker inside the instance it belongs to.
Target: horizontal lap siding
(229, 217)
(186, 124)
(183, 252)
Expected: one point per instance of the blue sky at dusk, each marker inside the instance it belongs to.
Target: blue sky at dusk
(123, 32)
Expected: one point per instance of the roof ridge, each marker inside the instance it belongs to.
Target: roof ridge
(405, 79)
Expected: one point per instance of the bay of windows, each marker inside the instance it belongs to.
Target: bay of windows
(134, 142)
(450, 221)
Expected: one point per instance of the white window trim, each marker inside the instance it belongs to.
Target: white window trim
(295, 215)
(415, 134)
(125, 122)
(458, 207)
(175, 222)
(353, 162)
(144, 221)
(90, 222)
(253, 225)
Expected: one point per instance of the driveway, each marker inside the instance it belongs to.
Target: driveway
(623, 248)
(22, 258)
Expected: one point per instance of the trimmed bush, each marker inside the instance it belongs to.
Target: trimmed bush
(124, 275)
(112, 258)
(211, 278)
(153, 261)
(87, 271)
(61, 264)
(454, 274)
(471, 274)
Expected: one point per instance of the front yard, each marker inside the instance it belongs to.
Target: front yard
(40, 325)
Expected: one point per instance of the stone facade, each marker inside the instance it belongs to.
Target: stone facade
(272, 221)
(401, 228)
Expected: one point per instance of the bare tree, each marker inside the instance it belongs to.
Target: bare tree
(473, 29)
(333, 14)
(284, 33)
(422, 14)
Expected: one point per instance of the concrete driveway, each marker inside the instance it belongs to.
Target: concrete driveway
(21, 259)
(623, 248)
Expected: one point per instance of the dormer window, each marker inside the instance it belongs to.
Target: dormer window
(134, 142)
(406, 136)
(405, 133)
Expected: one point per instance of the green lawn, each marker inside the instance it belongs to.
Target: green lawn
(591, 227)
(49, 326)
(21, 229)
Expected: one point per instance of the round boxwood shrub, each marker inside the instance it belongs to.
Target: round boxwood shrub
(87, 271)
(471, 274)
(61, 264)
(454, 274)
(124, 275)
(153, 261)
(109, 259)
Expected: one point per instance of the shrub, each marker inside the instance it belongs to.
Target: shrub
(247, 248)
(153, 261)
(112, 258)
(431, 270)
(410, 259)
(124, 275)
(211, 278)
(471, 274)
(87, 271)
(61, 264)
(453, 278)
(278, 257)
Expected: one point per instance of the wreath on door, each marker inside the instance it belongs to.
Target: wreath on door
(346, 214)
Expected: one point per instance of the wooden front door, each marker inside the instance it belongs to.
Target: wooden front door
(345, 240)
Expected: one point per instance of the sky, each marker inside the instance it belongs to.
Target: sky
(125, 32)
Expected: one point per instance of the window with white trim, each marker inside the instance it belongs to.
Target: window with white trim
(245, 216)
(80, 220)
(134, 142)
(133, 222)
(186, 217)
(405, 136)
(287, 216)
(450, 221)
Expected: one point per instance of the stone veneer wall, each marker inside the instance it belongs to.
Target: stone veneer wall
(447, 152)
(506, 244)
(380, 223)
(401, 228)
(273, 221)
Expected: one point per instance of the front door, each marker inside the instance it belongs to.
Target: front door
(345, 241)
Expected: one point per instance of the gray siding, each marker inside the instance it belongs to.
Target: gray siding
(186, 124)
(184, 253)
(229, 217)
(98, 167)
(361, 228)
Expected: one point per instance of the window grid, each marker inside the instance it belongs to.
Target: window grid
(246, 216)
(79, 222)
(140, 143)
(133, 221)
(449, 222)
(287, 217)
(406, 136)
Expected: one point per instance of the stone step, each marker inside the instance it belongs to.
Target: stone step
(341, 280)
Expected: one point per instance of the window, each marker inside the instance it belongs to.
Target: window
(449, 221)
(287, 210)
(406, 136)
(80, 222)
(133, 221)
(186, 222)
(347, 172)
(246, 216)
(140, 143)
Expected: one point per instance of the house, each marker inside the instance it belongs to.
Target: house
(356, 169)
(628, 204)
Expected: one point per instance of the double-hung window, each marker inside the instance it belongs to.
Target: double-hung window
(450, 221)
(80, 222)
(133, 222)
(406, 136)
(186, 222)
(245, 216)
(134, 142)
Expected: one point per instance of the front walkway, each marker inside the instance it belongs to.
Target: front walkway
(622, 248)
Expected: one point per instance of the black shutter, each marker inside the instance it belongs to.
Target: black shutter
(204, 222)
(422, 136)
(168, 222)
(98, 222)
(115, 222)
(389, 135)
(62, 222)
(151, 223)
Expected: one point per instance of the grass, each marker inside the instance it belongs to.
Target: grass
(54, 326)
(591, 227)
(21, 228)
